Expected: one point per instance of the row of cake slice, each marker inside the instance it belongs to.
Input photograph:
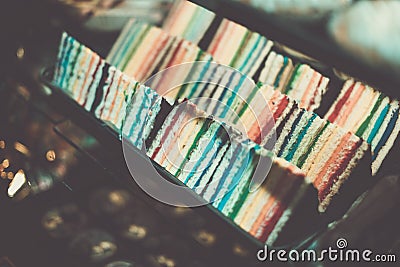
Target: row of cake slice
(276, 65)
(358, 108)
(325, 152)
(205, 154)
(142, 50)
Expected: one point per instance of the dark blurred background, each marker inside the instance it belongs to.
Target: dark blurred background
(93, 216)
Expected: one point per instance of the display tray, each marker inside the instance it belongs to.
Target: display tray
(359, 181)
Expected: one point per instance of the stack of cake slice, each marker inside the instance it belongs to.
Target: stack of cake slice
(182, 140)
(234, 45)
(183, 20)
(376, 123)
(325, 153)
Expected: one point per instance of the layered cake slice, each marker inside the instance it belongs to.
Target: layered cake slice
(236, 46)
(276, 70)
(131, 36)
(188, 20)
(264, 213)
(142, 50)
(307, 86)
(370, 115)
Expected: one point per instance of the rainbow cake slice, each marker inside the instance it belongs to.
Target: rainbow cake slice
(370, 115)
(142, 50)
(265, 212)
(307, 86)
(276, 71)
(183, 20)
(236, 46)
(131, 36)
(302, 83)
